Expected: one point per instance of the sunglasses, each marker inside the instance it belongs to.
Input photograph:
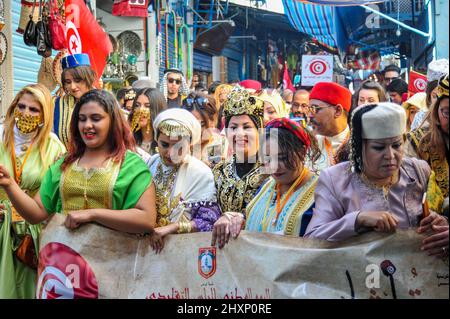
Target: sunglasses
(177, 81)
(189, 102)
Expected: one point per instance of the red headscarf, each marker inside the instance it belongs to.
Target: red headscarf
(291, 126)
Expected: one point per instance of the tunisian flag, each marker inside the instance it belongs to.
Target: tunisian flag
(417, 83)
(287, 83)
(85, 35)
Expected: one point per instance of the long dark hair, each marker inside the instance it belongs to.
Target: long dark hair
(120, 138)
(157, 104)
(356, 140)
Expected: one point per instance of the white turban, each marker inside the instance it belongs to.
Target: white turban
(177, 122)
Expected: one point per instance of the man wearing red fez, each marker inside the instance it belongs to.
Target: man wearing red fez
(329, 103)
(251, 86)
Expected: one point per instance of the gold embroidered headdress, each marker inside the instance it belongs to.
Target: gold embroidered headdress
(442, 89)
(240, 102)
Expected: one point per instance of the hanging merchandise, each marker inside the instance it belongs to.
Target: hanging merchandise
(130, 8)
(184, 28)
(3, 47)
(45, 76)
(56, 25)
(29, 35)
(43, 35)
(25, 12)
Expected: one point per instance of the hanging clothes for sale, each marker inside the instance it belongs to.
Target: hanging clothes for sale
(130, 8)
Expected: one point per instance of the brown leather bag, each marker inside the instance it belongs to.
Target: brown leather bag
(26, 252)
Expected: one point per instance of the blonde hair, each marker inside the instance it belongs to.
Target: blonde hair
(221, 89)
(41, 95)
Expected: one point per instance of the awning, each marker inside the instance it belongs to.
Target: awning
(339, 2)
(328, 24)
(316, 21)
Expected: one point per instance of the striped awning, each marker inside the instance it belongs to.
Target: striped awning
(339, 2)
(326, 23)
(316, 21)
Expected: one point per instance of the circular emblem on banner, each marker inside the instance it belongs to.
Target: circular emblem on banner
(420, 85)
(64, 274)
(73, 38)
(317, 67)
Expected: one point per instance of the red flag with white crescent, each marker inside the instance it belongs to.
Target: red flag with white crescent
(85, 35)
(417, 82)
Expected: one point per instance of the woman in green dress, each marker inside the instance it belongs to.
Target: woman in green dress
(27, 149)
(100, 180)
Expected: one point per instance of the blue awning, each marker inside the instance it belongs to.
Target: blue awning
(340, 2)
(328, 24)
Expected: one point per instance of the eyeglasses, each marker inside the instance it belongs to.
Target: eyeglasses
(189, 102)
(177, 81)
(444, 113)
(316, 108)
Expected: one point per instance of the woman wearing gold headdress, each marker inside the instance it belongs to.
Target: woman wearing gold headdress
(27, 149)
(185, 192)
(148, 103)
(238, 178)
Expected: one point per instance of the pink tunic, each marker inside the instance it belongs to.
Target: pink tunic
(340, 196)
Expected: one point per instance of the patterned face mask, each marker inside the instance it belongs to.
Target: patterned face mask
(140, 114)
(26, 123)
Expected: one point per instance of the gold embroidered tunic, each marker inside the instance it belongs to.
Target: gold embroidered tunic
(234, 192)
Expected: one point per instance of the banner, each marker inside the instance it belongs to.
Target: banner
(97, 262)
(316, 68)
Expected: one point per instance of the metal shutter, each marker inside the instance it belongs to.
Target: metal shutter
(202, 62)
(233, 70)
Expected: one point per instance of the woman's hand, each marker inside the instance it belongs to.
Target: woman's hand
(436, 244)
(428, 222)
(157, 239)
(5, 177)
(380, 221)
(78, 217)
(228, 224)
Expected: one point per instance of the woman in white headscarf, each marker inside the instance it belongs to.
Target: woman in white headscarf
(185, 191)
(274, 106)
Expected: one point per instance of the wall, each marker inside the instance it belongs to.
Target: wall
(26, 61)
(115, 25)
(441, 27)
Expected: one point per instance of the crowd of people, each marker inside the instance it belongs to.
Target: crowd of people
(321, 163)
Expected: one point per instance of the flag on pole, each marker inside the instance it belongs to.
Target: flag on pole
(417, 82)
(85, 35)
(287, 83)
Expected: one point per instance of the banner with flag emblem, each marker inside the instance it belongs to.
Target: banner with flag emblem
(85, 35)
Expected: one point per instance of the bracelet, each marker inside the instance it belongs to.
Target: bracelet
(184, 227)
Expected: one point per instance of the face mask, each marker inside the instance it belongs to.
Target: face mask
(139, 114)
(26, 123)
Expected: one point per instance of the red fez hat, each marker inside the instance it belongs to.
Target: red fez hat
(251, 84)
(333, 94)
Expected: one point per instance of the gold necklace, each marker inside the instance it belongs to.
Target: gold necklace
(386, 187)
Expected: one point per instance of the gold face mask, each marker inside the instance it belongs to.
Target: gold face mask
(140, 114)
(26, 123)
